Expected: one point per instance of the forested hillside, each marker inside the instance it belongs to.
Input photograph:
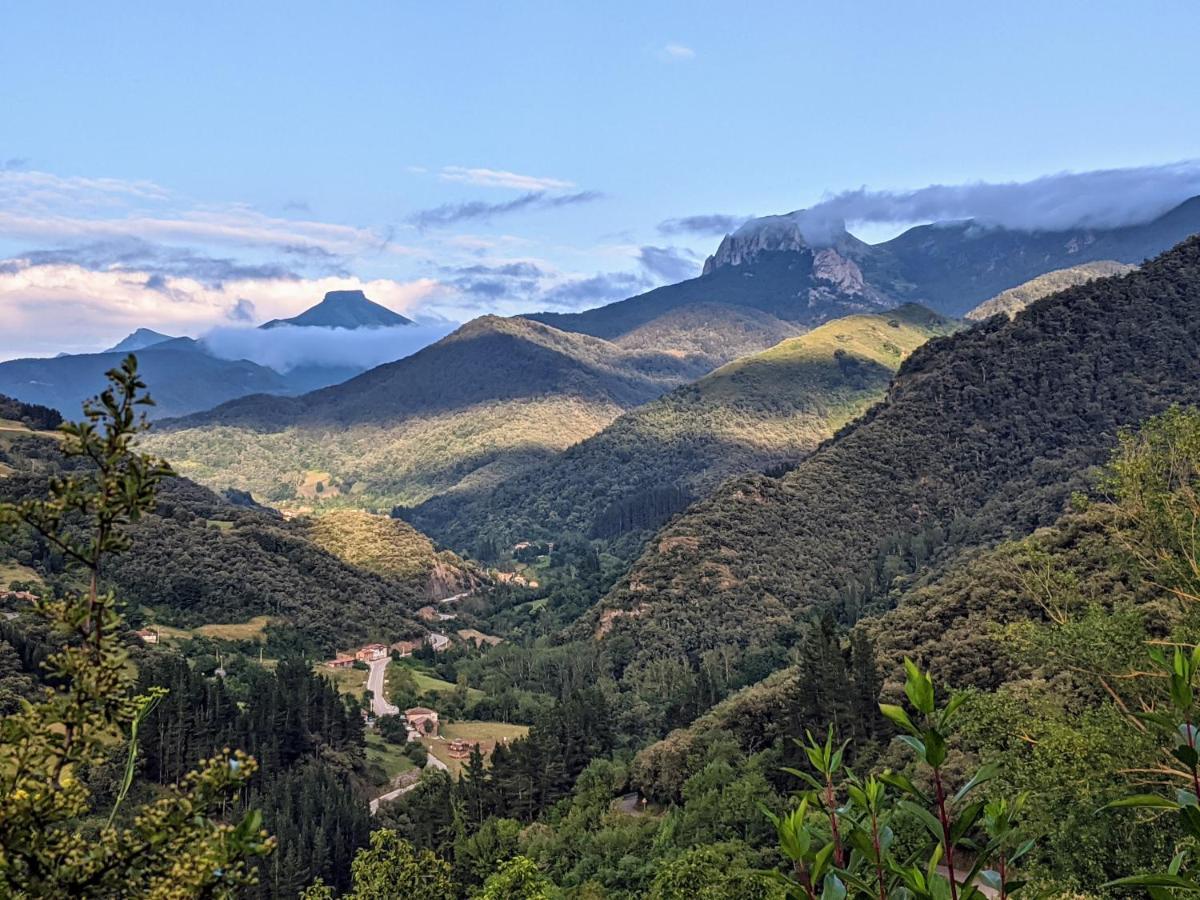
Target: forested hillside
(495, 396)
(763, 410)
(1014, 300)
(199, 559)
(984, 433)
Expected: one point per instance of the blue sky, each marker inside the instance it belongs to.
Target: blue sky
(302, 144)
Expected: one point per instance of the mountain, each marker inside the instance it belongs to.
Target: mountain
(344, 309)
(764, 410)
(1014, 300)
(769, 266)
(494, 396)
(185, 378)
(983, 434)
(139, 340)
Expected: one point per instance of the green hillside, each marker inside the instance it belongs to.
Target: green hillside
(200, 559)
(764, 410)
(490, 399)
(983, 434)
(1014, 300)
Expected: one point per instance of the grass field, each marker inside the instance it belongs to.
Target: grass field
(253, 630)
(11, 571)
(348, 681)
(485, 734)
(390, 756)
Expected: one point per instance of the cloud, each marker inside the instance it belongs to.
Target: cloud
(45, 309)
(242, 311)
(1106, 198)
(39, 206)
(159, 261)
(502, 179)
(13, 163)
(601, 288)
(669, 264)
(677, 53)
(285, 347)
(712, 224)
(479, 210)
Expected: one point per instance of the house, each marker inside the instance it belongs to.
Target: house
(23, 596)
(459, 749)
(406, 648)
(149, 635)
(341, 662)
(422, 720)
(371, 652)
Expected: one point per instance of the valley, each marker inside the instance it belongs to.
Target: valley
(555, 582)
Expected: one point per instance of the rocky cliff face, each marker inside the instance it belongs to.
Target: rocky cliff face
(770, 234)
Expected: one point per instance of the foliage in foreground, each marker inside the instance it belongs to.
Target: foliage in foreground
(51, 839)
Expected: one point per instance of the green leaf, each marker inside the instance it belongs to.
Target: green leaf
(1142, 801)
(919, 688)
(899, 717)
(985, 773)
(1178, 882)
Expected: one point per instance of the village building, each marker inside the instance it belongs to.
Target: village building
(341, 662)
(422, 720)
(406, 648)
(371, 652)
(148, 635)
(459, 749)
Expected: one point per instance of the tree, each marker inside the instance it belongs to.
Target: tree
(176, 846)
(518, 879)
(392, 869)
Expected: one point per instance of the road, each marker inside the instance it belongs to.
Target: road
(438, 642)
(431, 762)
(456, 597)
(375, 684)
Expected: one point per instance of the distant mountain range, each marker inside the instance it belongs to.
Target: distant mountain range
(501, 396)
(767, 270)
(185, 375)
(484, 402)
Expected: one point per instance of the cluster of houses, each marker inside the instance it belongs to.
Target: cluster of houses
(367, 653)
(371, 652)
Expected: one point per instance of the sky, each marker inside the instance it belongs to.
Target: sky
(188, 167)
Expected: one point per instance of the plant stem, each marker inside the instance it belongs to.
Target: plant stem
(944, 818)
(831, 805)
(878, 856)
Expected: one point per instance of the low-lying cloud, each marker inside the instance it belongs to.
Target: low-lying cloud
(1106, 198)
(286, 347)
(66, 307)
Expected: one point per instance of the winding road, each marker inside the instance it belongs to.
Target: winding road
(380, 706)
(375, 684)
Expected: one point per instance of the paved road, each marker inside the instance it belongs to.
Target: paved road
(375, 682)
(456, 597)
(438, 641)
(431, 762)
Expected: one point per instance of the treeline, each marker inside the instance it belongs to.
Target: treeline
(33, 415)
(200, 559)
(307, 739)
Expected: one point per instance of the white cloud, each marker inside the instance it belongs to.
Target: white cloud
(502, 179)
(51, 308)
(678, 52)
(39, 206)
